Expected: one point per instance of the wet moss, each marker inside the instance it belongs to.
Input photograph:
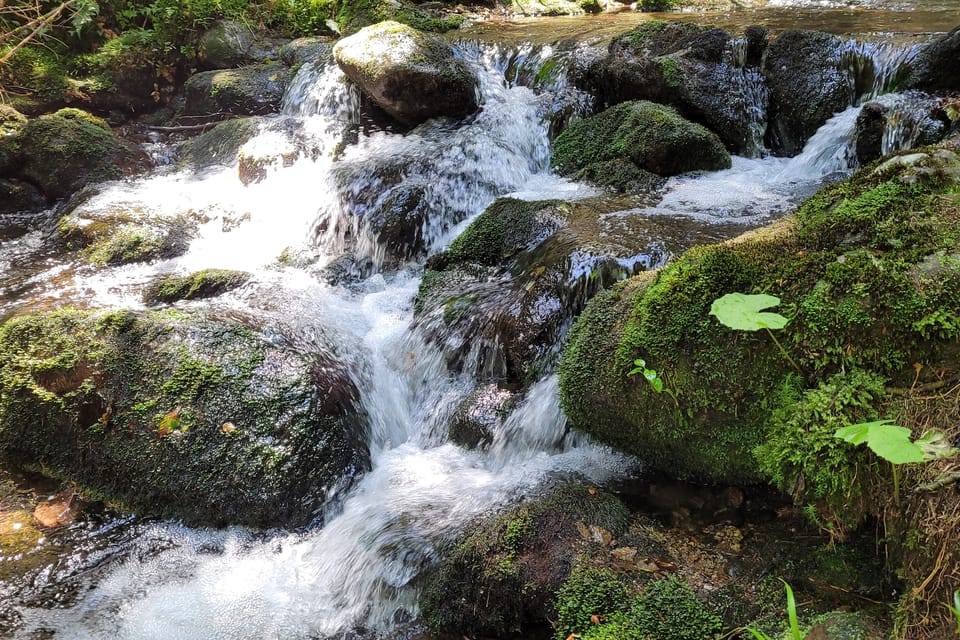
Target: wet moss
(130, 406)
(654, 137)
(503, 229)
(200, 284)
(866, 275)
(501, 580)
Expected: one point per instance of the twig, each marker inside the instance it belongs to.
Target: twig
(942, 481)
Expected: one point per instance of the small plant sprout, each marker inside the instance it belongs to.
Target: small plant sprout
(955, 609)
(791, 617)
(892, 443)
(745, 312)
(651, 376)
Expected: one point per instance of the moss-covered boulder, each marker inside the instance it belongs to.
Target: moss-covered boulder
(411, 75)
(868, 274)
(353, 15)
(112, 235)
(221, 144)
(500, 581)
(176, 415)
(808, 82)
(502, 295)
(936, 68)
(247, 91)
(208, 283)
(231, 43)
(653, 137)
(690, 67)
(554, 7)
(61, 152)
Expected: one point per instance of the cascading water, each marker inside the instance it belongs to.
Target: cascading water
(326, 183)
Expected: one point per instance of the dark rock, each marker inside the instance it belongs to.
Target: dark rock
(19, 196)
(869, 128)
(756, 39)
(61, 152)
(179, 416)
(478, 417)
(653, 137)
(230, 43)
(411, 75)
(308, 50)
(221, 144)
(937, 67)
(908, 119)
(247, 91)
(808, 84)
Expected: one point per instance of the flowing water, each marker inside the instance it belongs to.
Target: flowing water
(357, 574)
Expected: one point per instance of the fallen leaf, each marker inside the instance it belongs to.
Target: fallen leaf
(572, 636)
(228, 427)
(169, 422)
(594, 619)
(601, 535)
(624, 554)
(57, 510)
(665, 565)
(592, 491)
(584, 531)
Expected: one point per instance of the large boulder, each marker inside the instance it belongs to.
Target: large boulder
(692, 67)
(230, 43)
(808, 83)
(177, 415)
(247, 91)
(867, 274)
(653, 137)
(411, 75)
(502, 296)
(61, 152)
(937, 67)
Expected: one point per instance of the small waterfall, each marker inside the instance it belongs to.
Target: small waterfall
(749, 93)
(876, 67)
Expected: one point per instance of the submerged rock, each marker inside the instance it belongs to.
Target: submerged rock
(135, 407)
(208, 283)
(852, 269)
(411, 75)
(808, 84)
(653, 137)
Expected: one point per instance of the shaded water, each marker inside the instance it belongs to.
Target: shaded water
(358, 572)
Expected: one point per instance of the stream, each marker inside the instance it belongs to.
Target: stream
(355, 573)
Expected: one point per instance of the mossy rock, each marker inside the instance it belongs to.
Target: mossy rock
(867, 274)
(178, 415)
(42, 76)
(208, 283)
(221, 144)
(64, 151)
(653, 137)
(554, 7)
(808, 83)
(19, 196)
(500, 581)
(247, 91)
(411, 75)
(231, 43)
(353, 15)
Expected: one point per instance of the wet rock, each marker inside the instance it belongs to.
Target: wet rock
(899, 121)
(555, 7)
(307, 50)
(208, 283)
(61, 152)
(111, 235)
(132, 407)
(18, 196)
(411, 75)
(501, 297)
(247, 91)
(808, 84)
(221, 144)
(868, 136)
(500, 581)
(57, 510)
(691, 67)
(655, 138)
(716, 425)
(478, 417)
(936, 68)
(230, 43)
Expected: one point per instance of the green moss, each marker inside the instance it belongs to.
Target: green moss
(866, 274)
(353, 15)
(503, 229)
(36, 71)
(126, 246)
(670, 610)
(653, 137)
(620, 174)
(589, 593)
(200, 284)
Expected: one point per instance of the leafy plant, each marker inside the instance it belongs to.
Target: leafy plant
(955, 609)
(892, 443)
(650, 375)
(745, 312)
(791, 617)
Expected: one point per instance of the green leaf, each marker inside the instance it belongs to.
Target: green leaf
(889, 441)
(935, 445)
(655, 381)
(745, 312)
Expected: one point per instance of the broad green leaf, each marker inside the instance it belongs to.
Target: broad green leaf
(859, 433)
(892, 443)
(745, 312)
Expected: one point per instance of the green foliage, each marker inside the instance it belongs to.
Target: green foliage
(669, 610)
(889, 441)
(745, 312)
(803, 457)
(590, 593)
(955, 609)
(650, 375)
(792, 618)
